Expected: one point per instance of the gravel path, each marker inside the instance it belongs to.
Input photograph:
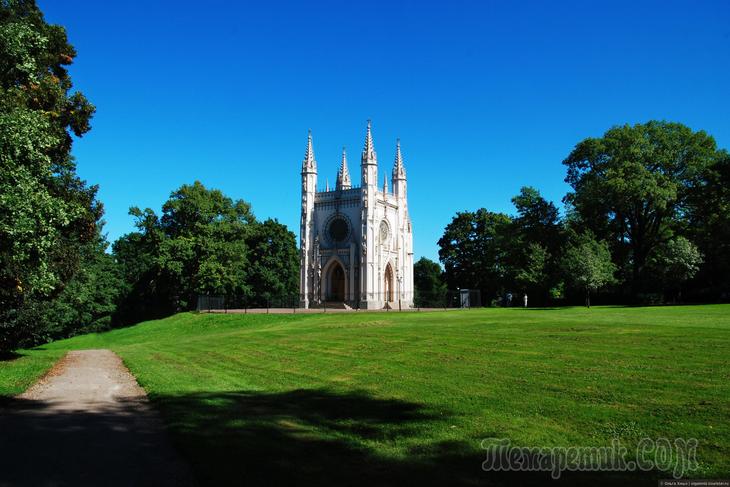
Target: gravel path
(86, 423)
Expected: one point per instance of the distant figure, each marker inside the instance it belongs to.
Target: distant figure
(509, 299)
(524, 298)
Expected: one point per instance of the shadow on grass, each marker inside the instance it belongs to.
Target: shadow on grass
(9, 356)
(318, 437)
(118, 444)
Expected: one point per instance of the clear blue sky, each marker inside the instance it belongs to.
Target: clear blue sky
(485, 96)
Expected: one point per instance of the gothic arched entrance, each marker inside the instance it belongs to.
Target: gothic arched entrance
(336, 283)
(388, 284)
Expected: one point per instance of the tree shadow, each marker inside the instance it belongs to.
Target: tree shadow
(9, 356)
(52, 444)
(321, 437)
(300, 437)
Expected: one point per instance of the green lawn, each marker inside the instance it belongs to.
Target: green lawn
(366, 398)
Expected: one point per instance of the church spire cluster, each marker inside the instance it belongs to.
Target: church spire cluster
(369, 165)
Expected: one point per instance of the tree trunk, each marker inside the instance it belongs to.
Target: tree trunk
(588, 298)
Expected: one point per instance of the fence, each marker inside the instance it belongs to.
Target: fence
(461, 298)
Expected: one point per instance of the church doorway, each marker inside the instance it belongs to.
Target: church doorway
(336, 288)
(388, 287)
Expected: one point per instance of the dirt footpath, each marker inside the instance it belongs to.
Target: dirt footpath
(86, 423)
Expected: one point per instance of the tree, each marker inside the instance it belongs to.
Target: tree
(198, 246)
(274, 269)
(631, 187)
(533, 271)
(587, 264)
(204, 243)
(535, 245)
(89, 300)
(676, 262)
(429, 286)
(47, 214)
(538, 220)
(473, 250)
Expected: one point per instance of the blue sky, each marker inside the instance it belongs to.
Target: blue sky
(486, 96)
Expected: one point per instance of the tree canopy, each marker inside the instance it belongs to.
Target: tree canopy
(204, 243)
(633, 186)
(48, 215)
(473, 251)
(497, 253)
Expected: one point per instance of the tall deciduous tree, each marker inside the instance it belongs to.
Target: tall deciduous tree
(198, 246)
(631, 187)
(204, 243)
(473, 251)
(535, 243)
(47, 214)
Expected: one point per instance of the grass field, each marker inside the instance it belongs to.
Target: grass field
(366, 398)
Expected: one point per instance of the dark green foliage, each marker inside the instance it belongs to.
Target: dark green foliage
(204, 243)
(633, 188)
(499, 254)
(708, 226)
(474, 251)
(48, 216)
(90, 298)
(429, 286)
(535, 246)
(656, 193)
(274, 270)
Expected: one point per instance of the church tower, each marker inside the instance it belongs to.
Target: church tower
(369, 178)
(306, 226)
(356, 242)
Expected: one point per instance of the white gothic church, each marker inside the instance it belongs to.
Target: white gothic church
(356, 242)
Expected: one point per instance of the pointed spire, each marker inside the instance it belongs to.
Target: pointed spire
(399, 171)
(327, 185)
(385, 184)
(310, 163)
(343, 175)
(368, 152)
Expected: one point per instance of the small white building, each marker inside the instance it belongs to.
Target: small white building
(356, 242)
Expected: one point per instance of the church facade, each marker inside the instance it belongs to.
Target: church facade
(356, 242)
